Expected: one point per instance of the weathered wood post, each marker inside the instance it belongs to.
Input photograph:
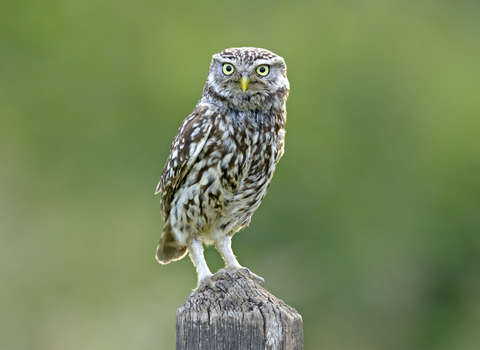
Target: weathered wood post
(246, 317)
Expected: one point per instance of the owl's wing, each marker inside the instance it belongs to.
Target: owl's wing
(187, 145)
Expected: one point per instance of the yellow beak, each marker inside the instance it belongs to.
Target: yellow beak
(244, 82)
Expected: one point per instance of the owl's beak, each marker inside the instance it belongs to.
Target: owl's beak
(244, 82)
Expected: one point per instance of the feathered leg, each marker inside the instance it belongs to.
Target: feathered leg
(195, 250)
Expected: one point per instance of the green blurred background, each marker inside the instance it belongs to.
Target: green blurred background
(371, 227)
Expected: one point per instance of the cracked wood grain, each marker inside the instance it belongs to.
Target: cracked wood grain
(246, 317)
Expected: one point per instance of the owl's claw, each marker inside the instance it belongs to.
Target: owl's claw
(245, 270)
(219, 286)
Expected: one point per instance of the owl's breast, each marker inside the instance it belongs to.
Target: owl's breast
(256, 152)
(229, 179)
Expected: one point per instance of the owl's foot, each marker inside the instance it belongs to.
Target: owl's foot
(222, 275)
(208, 282)
(212, 282)
(243, 271)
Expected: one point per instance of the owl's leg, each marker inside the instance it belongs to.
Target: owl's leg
(224, 247)
(195, 251)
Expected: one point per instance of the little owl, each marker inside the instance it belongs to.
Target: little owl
(222, 159)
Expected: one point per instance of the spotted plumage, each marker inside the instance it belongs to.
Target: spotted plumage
(223, 158)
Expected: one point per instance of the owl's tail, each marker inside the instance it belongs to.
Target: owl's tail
(168, 249)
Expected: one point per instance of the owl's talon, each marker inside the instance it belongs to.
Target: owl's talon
(219, 286)
(244, 269)
(225, 272)
(258, 280)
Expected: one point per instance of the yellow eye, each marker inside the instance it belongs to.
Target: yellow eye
(263, 70)
(228, 69)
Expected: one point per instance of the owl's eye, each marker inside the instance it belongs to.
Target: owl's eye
(263, 70)
(228, 69)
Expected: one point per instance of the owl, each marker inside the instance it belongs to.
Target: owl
(222, 160)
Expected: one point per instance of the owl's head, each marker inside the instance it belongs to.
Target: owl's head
(247, 78)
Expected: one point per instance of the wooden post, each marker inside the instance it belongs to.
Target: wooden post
(246, 317)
